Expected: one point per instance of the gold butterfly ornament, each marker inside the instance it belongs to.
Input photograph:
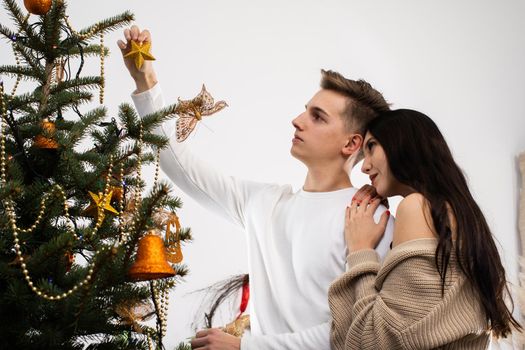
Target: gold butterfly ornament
(190, 112)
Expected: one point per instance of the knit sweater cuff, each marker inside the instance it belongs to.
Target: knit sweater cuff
(366, 259)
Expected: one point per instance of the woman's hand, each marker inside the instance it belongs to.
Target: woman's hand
(361, 231)
(369, 191)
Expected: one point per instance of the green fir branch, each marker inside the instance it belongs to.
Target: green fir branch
(151, 121)
(15, 12)
(87, 51)
(63, 101)
(51, 25)
(82, 127)
(8, 33)
(32, 61)
(25, 73)
(78, 83)
(101, 27)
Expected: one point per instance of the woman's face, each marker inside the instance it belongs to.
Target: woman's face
(375, 165)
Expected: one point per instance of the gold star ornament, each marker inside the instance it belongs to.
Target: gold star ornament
(140, 53)
(99, 204)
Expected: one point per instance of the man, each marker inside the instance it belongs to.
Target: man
(295, 239)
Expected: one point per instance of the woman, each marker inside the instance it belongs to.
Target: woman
(442, 285)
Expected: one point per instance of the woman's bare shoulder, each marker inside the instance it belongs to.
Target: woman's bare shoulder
(413, 219)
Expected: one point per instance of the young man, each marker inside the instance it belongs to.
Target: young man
(295, 239)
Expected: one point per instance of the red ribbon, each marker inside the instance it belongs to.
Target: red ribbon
(245, 297)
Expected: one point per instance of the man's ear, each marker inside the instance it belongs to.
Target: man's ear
(353, 144)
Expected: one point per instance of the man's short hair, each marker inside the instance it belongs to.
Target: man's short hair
(364, 102)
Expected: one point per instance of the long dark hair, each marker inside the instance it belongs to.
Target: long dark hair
(419, 157)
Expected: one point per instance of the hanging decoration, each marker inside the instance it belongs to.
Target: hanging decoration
(38, 7)
(132, 314)
(44, 142)
(99, 204)
(191, 111)
(140, 52)
(168, 219)
(151, 261)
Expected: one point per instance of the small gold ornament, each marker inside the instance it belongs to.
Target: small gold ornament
(38, 7)
(238, 326)
(59, 70)
(70, 259)
(99, 203)
(140, 52)
(116, 189)
(173, 249)
(45, 142)
(117, 193)
(151, 262)
(133, 313)
(191, 111)
(167, 218)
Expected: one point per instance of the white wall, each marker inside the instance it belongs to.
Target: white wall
(460, 62)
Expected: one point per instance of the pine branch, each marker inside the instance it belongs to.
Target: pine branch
(32, 61)
(183, 346)
(63, 101)
(15, 12)
(51, 25)
(87, 51)
(79, 130)
(96, 29)
(78, 83)
(8, 33)
(151, 121)
(25, 72)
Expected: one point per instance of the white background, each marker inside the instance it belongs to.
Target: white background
(460, 62)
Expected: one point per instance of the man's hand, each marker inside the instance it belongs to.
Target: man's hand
(215, 339)
(145, 77)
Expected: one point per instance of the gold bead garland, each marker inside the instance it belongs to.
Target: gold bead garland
(162, 301)
(150, 342)
(102, 79)
(77, 34)
(17, 59)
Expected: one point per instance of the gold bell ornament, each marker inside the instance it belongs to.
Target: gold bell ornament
(151, 262)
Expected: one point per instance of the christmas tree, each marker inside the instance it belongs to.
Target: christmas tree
(71, 216)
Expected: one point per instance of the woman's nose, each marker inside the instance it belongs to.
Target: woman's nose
(365, 168)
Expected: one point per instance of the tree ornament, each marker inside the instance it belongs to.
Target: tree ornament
(151, 262)
(140, 52)
(38, 7)
(99, 203)
(116, 185)
(45, 142)
(165, 218)
(70, 259)
(173, 248)
(132, 313)
(238, 326)
(191, 111)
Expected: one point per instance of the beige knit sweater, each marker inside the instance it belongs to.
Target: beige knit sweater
(399, 305)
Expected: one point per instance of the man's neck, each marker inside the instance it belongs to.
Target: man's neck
(326, 180)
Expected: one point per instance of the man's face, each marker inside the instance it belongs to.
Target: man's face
(320, 132)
